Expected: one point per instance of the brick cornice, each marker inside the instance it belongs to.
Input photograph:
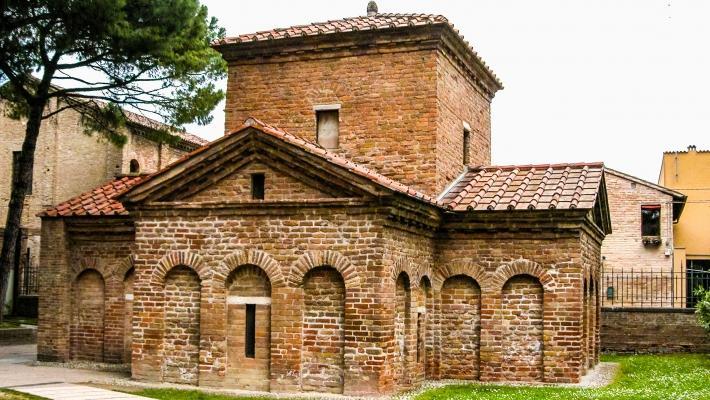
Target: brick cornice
(439, 37)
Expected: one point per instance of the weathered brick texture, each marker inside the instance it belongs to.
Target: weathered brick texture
(88, 326)
(181, 342)
(323, 336)
(652, 330)
(522, 323)
(461, 322)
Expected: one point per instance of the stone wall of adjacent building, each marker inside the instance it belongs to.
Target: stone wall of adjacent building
(652, 330)
(68, 161)
(401, 112)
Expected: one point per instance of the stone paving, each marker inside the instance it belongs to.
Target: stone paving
(72, 391)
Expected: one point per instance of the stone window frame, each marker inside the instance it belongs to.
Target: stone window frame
(466, 148)
(320, 109)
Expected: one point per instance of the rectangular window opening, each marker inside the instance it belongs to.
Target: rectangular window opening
(651, 220)
(466, 146)
(250, 331)
(420, 336)
(327, 132)
(257, 186)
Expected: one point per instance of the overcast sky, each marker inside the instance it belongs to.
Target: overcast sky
(613, 81)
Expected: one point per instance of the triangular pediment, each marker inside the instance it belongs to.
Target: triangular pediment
(218, 172)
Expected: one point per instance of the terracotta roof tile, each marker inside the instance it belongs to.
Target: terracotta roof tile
(96, 202)
(361, 23)
(526, 187)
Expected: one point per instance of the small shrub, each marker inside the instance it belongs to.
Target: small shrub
(702, 308)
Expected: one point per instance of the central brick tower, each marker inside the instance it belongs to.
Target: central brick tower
(401, 93)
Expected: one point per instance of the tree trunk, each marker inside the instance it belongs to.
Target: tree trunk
(17, 198)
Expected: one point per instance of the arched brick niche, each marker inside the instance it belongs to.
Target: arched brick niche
(248, 328)
(87, 330)
(323, 335)
(425, 321)
(402, 329)
(460, 328)
(128, 280)
(181, 321)
(521, 328)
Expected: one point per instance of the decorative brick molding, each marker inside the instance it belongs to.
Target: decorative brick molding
(121, 269)
(249, 257)
(462, 267)
(330, 258)
(180, 258)
(522, 267)
(404, 264)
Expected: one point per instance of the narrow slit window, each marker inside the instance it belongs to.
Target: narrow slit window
(328, 122)
(651, 220)
(466, 146)
(420, 336)
(250, 331)
(257, 186)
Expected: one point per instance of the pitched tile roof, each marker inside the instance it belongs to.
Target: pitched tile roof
(361, 23)
(97, 202)
(526, 187)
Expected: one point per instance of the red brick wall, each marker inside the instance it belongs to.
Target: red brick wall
(459, 100)
(128, 314)
(277, 186)
(181, 338)
(522, 329)
(461, 328)
(246, 372)
(401, 113)
(402, 330)
(652, 330)
(88, 326)
(323, 335)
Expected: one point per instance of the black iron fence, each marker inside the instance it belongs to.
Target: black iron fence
(638, 288)
(29, 283)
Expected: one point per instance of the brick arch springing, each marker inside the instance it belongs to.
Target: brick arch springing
(180, 258)
(258, 258)
(122, 267)
(314, 259)
(84, 264)
(403, 264)
(467, 268)
(522, 267)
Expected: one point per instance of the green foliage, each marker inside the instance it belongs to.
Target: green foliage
(661, 377)
(150, 57)
(702, 308)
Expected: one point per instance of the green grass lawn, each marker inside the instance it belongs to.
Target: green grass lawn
(15, 322)
(7, 394)
(663, 377)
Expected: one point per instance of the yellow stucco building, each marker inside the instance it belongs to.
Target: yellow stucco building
(689, 173)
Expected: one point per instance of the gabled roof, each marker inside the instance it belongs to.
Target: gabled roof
(97, 202)
(376, 22)
(678, 197)
(214, 149)
(526, 187)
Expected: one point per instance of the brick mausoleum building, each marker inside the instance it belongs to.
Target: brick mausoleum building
(360, 247)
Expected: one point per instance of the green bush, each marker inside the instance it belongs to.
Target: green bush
(702, 308)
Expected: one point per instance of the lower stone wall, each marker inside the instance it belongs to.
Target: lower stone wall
(652, 330)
